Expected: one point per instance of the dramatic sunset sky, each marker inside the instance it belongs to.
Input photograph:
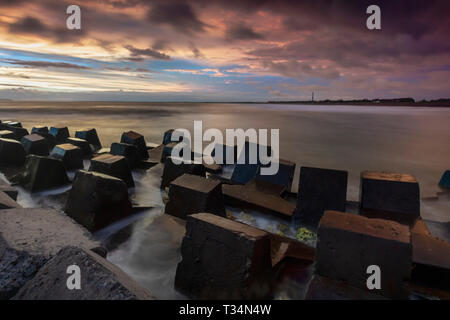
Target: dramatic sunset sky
(224, 50)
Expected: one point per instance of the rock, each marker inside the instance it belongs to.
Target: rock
(320, 190)
(12, 153)
(40, 130)
(250, 198)
(86, 149)
(60, 133)
(97, 200)
(35, 144)
(90, 135)
(7, 134)
(173, 171)
(282, 178)
(224, 259)
(431, 258)
(445, 180)
(8, 189)
(29, 238)
(136, 139)
(116, 166)
(322, 288)
(6, 202)
(129, 151)
(190, 194)
(348, 244)
(100, 280)
(390, 196)
(42, 173)
(71, 156)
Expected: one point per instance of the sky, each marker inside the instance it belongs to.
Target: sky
(224, 50)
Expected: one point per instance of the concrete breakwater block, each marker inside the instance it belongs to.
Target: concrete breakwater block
(100, 280)
(224, 259)
(251, 198)
(42, 173)
(348, 244)
(7, 134)
(6, 202)
(431, 258)
(35, 144)
(244, 173)
(390, 196)
(136, 139)
(97, 200)
(445, 180)
(168, 137)
(29, 238)
(223, 150)
(116, 166)
(19, 132)
(86, 149)
(284, 177)
(70, 155)
(173, 171)
(12, 153)
(40, 130)
(190, 194)
(91, 136)
(60, 133)
(8, 189)
(129, 151)
(167, 151)
(320, 190)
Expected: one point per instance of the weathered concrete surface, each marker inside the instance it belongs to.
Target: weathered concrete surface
(7, 134)
(284, 177)
(100, 280)
(91, 136)
(8, 189)
(42, 173)
(97, 200)
(224, 259)
(116, 166)
(251, 198)
(28, 238)
(431, 258)
(60, 133)
(12, 153)
(173, 171)
(136, 139)
(35, 144)
(390, 196)
(284, 247)
(445, 180)
(347, 244)
(70, 155)
(129, 151)
(6, 202)
(190, 194)
(320, 190)
(86, 149)
(322, 288)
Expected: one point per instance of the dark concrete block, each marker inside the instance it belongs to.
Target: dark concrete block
(7, 134)
(6, 202)
(19, 132)
(172, 171)
(190, 194)
(168, 137)
(347, 244)
(320, 190)
(90, 135)
(35, 144)
(136, 139)
(116, 166)
(102, 280)
(8, 189)
(129, 151)
(60, 133)
(249, 197)
(445, 180)
(167, 151)
(283, 177)
(71, 155)
(390, 196)
(249, 147)
(40, 130)
(244, 173)
(224, 259)
(42, 173)
(12, 153)
(85, 147)
(97, 200)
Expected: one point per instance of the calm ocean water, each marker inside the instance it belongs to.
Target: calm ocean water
(353, 138)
